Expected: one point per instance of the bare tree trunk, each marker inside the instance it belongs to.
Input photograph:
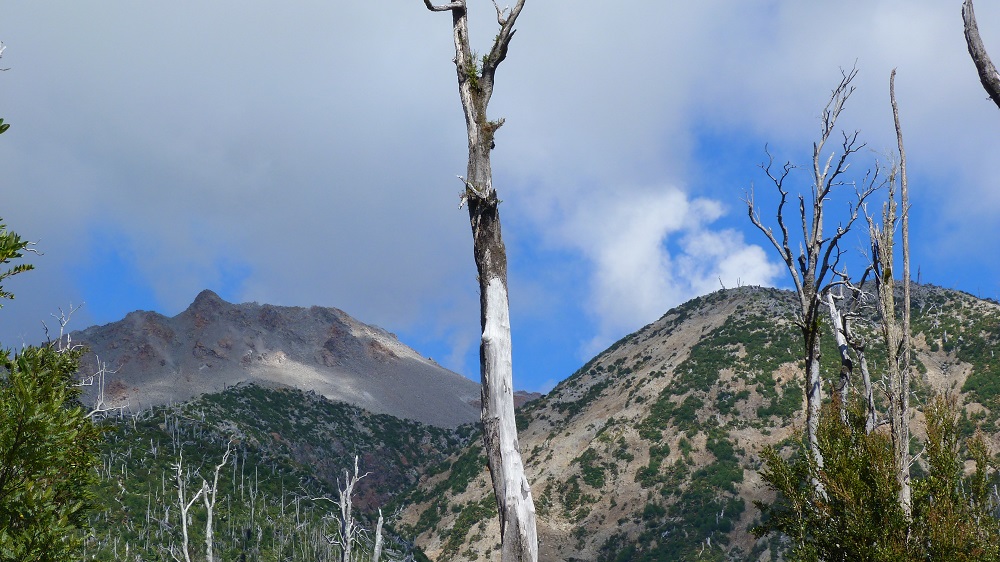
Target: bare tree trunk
(209, 497)
(814, 398)
(475, 84)
(904, 357)
(377, 551)
(988, 74)
(840, 333)
(896, 334)
(866, 380)
(347, 532)
(184, 504)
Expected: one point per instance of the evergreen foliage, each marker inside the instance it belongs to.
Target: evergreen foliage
(48, 445)
(860, 517)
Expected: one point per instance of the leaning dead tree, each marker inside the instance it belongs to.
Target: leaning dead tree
(851, 341)
(813, 265)
(988, 74)
(475, 86)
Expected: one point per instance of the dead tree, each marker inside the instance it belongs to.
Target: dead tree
(347, 530)
(841, 328)
(812, 267)
(377, 549)
(896, 333)
(475, 85)
(848, 338)
(184, 504)
(988, 74)
(209, 497)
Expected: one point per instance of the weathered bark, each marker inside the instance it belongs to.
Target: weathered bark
(892, 333)
(475, 84)
(866, 379)
(903, 352)
(840, 331)
(895, 333)
(811, 270)
(849, 340)
(988, 74)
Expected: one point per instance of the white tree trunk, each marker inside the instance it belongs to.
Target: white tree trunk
(347, 530)
(903, 351)
(377, 551)
(500, 432)
(866, 379)
(840, 328)
(184, 505)
(518, 538)
(814, 403)
(209, 497)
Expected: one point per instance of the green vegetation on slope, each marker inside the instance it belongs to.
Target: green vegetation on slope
(276, 492)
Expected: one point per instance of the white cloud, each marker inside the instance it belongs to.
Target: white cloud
(651, 250)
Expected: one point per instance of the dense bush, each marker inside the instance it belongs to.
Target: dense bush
(859, 518)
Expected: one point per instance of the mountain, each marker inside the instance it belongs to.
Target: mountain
(651, 450)
(215, 344)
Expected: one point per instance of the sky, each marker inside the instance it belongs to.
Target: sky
(305, 153)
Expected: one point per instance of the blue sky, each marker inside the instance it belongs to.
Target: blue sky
(305, 154)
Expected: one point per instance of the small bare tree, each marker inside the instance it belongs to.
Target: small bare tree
(988, 74)
(812, 267)
(347, 530)
(476, 76)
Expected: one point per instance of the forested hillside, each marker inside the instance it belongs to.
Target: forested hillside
(277, 493)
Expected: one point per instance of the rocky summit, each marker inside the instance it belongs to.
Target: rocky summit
(215, 344)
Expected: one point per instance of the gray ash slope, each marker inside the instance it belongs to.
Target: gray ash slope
(215, 344)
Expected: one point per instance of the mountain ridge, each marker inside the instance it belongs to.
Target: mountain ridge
(214, 344)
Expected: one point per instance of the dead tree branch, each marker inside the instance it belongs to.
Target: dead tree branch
(988, 74)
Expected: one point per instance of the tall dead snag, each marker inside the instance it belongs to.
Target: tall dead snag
(475, 86)
(896, 333)
(988, 74)
(812, 267)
